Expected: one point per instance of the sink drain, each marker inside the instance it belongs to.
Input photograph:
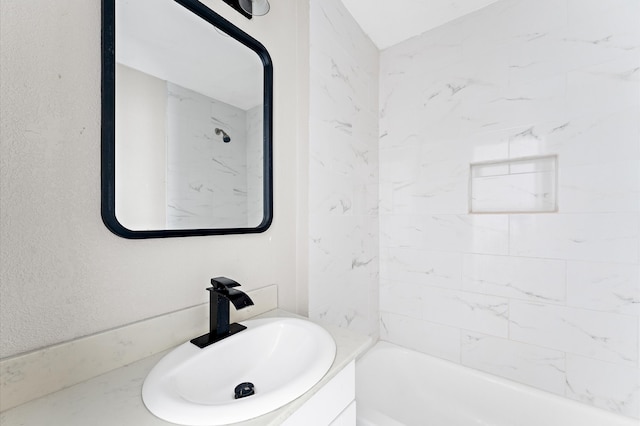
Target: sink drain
(243, 390)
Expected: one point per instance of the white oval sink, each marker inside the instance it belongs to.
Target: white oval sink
(282, 357)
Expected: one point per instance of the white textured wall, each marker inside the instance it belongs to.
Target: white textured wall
(343, 170)
(550, 300)
(63, 274)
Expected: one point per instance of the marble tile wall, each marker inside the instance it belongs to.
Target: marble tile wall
(343, 170)
(255, 158)
(206, 178)
(551, 300)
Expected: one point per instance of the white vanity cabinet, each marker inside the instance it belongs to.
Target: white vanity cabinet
(334, 404)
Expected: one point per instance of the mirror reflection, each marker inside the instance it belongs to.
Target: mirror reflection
(189, 132)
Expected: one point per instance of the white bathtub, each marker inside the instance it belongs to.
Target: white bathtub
(396, 386)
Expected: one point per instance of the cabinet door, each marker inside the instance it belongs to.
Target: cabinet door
(347, 417)
(329, 402)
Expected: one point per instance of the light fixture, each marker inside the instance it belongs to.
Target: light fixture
(255, 7)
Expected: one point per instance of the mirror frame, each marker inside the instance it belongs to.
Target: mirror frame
(108, 142)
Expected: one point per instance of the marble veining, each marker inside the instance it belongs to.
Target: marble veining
(207, 179)
(343, 171)
(541, 367)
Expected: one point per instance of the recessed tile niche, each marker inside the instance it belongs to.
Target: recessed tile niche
(523, 185)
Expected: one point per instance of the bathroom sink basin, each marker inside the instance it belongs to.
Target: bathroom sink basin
(281, 357)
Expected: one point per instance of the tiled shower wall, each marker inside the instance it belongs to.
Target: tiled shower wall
(255, 158)
(210, 182)
(206, 178)
(551, 300)
(343, 170)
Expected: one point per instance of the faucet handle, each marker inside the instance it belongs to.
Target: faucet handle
(223, 283)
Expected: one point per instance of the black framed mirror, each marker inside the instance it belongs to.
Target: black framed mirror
(187, 100)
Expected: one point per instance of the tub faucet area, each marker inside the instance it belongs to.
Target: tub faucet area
(220, 294)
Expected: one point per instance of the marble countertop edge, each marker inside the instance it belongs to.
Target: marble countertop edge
(115, 397)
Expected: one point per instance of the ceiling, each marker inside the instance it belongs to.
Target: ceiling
(388, 22)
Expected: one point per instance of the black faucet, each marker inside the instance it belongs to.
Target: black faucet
(220, 295)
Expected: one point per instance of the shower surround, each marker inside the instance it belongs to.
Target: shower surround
(551, 300)
(343, 170)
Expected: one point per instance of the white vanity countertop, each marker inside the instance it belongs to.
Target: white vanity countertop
(114, 398)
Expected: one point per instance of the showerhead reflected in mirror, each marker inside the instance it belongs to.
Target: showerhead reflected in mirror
(186, 122)
(225, 137)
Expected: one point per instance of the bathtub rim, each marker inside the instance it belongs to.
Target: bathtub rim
(382, 345)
